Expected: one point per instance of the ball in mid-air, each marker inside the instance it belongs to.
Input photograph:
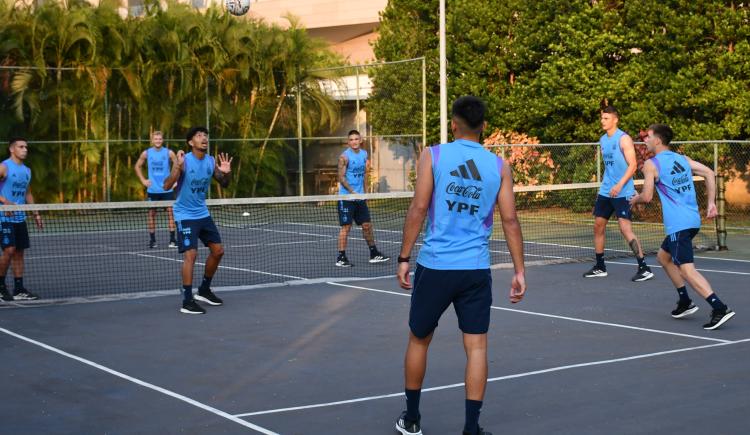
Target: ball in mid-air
(237, 7)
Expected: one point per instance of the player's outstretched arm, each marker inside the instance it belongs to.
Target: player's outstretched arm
(176, 172)
(513, 236)
(416, 214)
(649, 178)
(710, 177)
(223, 168)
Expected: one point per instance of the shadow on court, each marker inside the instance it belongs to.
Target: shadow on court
(577, 356)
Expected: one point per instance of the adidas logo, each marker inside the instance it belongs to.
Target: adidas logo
(677, 168)
(462, 172)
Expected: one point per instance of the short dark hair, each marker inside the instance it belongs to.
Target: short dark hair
(611, 110)
(351, 132)
(193, 131)
(663, 132)
(15, 139)
(471, 110)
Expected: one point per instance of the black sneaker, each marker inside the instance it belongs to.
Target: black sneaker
(192, 307)
(718, 318)
(479, 432)
(596, 272)
(25, 295)
(683, 310)
(643, 274)
(5, 295)
(172, 243)
(208, 297)
(342, 261)
(408, 427)
(378, 257)
(152, 244)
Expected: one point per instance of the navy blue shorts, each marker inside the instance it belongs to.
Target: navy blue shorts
(605, 206)
(166, 196)
(680, 245)
(470, 292)
(353, 211)
(190, 230)
(15, 234)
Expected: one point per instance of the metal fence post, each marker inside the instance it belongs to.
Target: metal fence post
(598, 165)
(356, 74)
(721, 219)
(300, 158)
(108, 178)
(424, 102)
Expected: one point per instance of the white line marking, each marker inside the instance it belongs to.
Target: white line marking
(731, 272)
(723, 259)
(499, 378)
(534, 313)
(220, 266)
(137, 381)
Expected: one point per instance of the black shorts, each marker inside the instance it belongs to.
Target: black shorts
(190, 230)
(605, 206)
(470, 292)
(353, 211)
(15, 234)
(166, 196)
(680, 245)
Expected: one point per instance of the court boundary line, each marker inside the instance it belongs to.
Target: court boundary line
(497, 379)
(554, 316)
(729, 272)
(142, 383)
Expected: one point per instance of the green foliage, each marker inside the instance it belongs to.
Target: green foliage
(169, 70)
(545, 67)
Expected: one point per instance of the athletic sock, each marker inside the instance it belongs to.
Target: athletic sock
(18, 284)
(152, 236)
(412, 404)
(600, 261)
(373, 250)
(342, 254)
(684, 298)
(715, 302)
(641, 262)
(187, 293)
(473, 407)
(172, 237)
(205, 284)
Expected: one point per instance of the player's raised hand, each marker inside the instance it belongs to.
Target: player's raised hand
(517, 287)
(225, 163)
(180, 158)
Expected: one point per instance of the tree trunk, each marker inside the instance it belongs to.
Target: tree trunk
(268, 136)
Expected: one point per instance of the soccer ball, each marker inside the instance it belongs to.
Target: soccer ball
(237, 7)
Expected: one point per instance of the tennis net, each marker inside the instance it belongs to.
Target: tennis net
(101, 249)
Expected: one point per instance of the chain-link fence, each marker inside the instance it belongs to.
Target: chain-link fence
(86, 129)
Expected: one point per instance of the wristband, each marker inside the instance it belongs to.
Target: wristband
(403, 259)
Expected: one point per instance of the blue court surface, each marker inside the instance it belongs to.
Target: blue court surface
(577, 356)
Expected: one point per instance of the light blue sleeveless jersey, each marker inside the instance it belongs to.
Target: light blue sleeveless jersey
(158, 169)
(192, 188)
(14, 187)
(677, 192)
(355, 171)
(466, 184)
(615, 165)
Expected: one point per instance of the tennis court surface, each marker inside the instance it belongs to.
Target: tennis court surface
(320, 350)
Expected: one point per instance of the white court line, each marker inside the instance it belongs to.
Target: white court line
(220, 266)
(499, 378)
(731, 272)
(137, 381)
(554, 316)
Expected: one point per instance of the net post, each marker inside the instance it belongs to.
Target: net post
(721, 219)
